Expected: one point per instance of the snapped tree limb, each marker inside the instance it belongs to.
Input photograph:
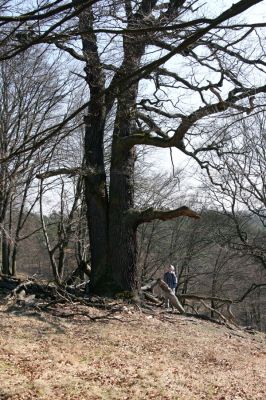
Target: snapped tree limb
(170, 295)
(139, 217)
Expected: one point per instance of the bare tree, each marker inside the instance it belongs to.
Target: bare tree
(240, 189)
(190, 59)
(30, 96)
(68, 218)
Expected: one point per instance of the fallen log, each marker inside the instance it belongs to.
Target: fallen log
(199, 297)
(150, 285)
(8, 283)
(13, 286)
(221, 302)
(170, 296)
(152, 298)
(82, 268)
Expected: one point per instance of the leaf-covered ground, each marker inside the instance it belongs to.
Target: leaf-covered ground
(135, 356)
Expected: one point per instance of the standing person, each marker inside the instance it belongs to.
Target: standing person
(171, 280)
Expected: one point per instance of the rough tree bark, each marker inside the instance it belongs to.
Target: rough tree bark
(95, 182)
(112, 221)
(122, 231)
(112, 218)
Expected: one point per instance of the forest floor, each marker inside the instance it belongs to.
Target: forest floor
(127, 355)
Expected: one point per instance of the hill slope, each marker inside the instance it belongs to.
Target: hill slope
(133, 356)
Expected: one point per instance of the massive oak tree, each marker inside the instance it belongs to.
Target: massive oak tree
(165, 72)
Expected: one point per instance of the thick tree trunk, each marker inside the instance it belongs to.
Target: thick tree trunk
(122, 232)
(122, 242)
(112, 236)
(112, 232)
(95, 183)
(96, 200)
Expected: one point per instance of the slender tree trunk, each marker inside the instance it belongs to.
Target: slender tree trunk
(144, 270)
(14, 260)
(4, 201)
(5, 254)
(213, 293)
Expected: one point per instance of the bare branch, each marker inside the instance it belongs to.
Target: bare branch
(177, 139)
(62, 171)
(231, 12)
(251, 289)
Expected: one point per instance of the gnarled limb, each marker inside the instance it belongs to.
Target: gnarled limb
(187, 122)
(150, 214)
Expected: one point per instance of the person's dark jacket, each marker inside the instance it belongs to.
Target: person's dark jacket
(171, 280)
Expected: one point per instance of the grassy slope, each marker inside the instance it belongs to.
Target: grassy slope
(45, 357)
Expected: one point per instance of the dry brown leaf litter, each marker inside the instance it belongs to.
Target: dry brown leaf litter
(145, 357)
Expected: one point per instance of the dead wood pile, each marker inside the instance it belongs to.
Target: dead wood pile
(45, 296)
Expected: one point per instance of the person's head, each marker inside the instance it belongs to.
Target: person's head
(171, 268)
